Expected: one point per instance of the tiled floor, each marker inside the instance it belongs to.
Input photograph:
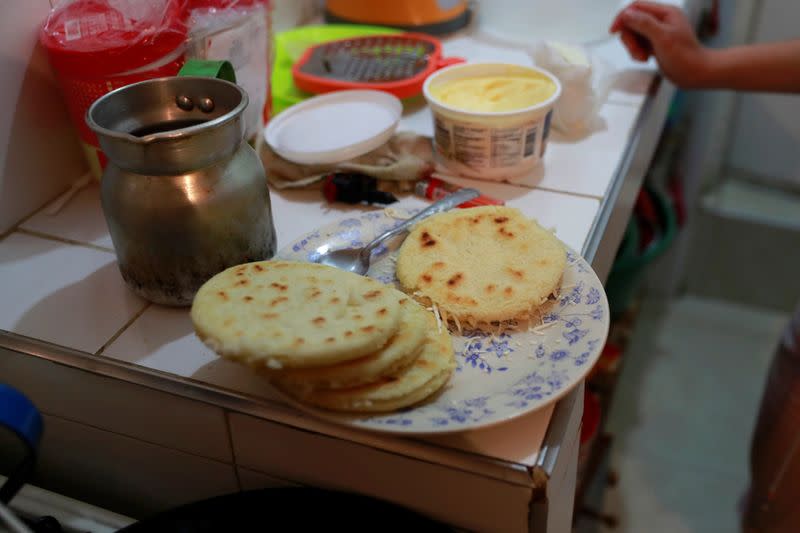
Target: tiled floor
(683, 415)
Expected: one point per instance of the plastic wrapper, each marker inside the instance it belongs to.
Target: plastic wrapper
(112, 37)
(238, 31)
(406, 158)
(585, 83)
(96, 46)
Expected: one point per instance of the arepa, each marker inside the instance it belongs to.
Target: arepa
(278, 314)
(400, 351)
(426, 375)
(481, 265)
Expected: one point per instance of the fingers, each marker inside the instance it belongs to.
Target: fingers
(644, 24)
(635, 47)
(628, 38)
(661, 11)
(667, 14)
(616, 24)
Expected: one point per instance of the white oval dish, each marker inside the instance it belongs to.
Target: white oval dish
(497, 378)
(334, 127)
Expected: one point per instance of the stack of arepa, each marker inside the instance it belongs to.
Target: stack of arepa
(327, 337)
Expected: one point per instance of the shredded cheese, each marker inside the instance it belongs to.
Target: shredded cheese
(470, 343)
(458, 324)
(539, 330)
(438, 317)
(396, 214)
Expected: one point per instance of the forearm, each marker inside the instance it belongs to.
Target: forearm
(771, 67)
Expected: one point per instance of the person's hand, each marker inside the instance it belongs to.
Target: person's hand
(649, 28)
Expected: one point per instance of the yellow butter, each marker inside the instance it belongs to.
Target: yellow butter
(494, 93)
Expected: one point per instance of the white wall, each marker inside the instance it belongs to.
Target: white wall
(766, 139)
(39, 151)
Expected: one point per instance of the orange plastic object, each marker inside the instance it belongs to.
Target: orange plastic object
(406, 13)
(397, 64)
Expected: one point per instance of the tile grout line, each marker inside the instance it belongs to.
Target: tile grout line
(36, 211)
(545, 189)
(124, 327)
(8, 232)
(226, 415)
(42, 235)
(273, 476)
(570, 193)
(119, 434)
(404, 455)
(47, 236)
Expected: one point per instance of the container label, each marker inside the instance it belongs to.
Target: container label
(530, 142)
(72, 30)
(470, 145)
(546, 133)
(506, 146)
(442, 136)
(93, 24)
(484, 147)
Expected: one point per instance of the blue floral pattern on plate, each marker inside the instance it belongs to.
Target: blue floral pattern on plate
(498, 377)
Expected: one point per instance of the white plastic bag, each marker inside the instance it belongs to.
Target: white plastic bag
(585, 83)
(239, 32)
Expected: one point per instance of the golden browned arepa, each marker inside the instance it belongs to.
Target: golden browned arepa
(481, 266)
(428, 373)
(399, 352)
(283, 314)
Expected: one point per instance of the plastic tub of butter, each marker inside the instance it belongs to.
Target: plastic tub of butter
(491, 120)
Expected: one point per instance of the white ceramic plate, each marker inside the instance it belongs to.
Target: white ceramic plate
(497, 378)
(334, 127)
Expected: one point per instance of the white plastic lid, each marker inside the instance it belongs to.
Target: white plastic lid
(334, 127)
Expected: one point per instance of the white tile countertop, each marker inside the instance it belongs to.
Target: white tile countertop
(59, 282)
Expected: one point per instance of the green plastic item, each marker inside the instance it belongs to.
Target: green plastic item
(630, 263)
(208, 69)
(290, 45)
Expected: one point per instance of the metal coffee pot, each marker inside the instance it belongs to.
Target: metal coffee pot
(183, 195)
